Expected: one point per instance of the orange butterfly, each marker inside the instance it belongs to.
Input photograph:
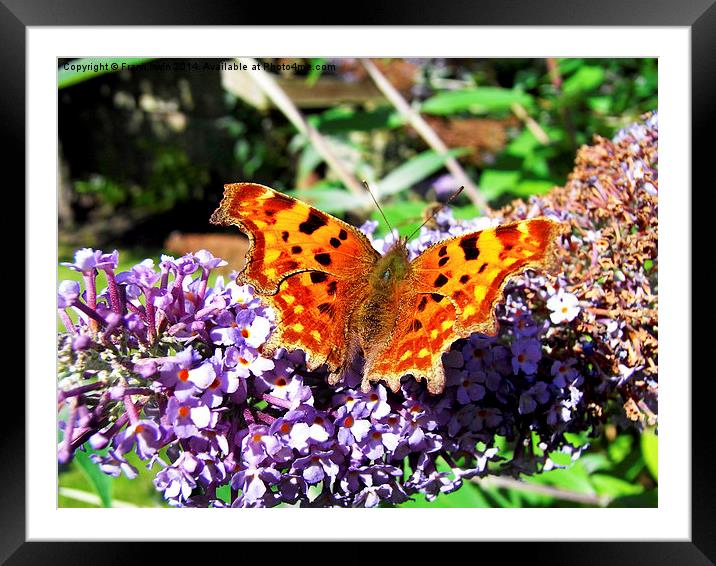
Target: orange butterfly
(336, 297)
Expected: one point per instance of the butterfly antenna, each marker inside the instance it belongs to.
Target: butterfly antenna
(438, 209)
(367, 188)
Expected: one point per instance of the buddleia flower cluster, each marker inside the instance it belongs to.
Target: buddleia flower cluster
(158, 363)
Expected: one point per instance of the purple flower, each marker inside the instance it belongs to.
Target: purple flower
(373, 404)
(114, 464)
(379, 441)
(86, 260)
(176, 373)
(538, 393)
(67, 294)
(178, 481)
(254, 482)
(317, 466)
(352, 429)
(469, 387)
(225, 381)
(257, 443)
(563, 371)
(147, 435)
(525, 355)
(207, 261)
(141, 275)
(246, 328)
(314, 429)
(187, 416)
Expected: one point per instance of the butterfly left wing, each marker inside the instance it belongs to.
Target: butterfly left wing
(288, 236)
(305, 263)
(452, 292)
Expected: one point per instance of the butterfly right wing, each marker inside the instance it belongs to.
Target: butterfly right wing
(453, 289)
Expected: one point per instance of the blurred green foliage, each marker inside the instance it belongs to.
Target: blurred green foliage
(162, 144)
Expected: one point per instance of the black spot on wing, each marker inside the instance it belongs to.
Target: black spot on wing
(436, 297)
(318, 277)
(469, 246)
(442, 251)
(296, 249)
(323, 258)
(464, 279)
(443, 261)
(284, 236)
(422, 303)
(343, 235)
(415, 325)
(331, 288)
(327, 309)
(440, 280)
(314, 221)
(335, 242)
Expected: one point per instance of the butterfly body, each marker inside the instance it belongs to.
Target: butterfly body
(337, 298)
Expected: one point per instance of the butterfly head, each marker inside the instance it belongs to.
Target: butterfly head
(393, 266)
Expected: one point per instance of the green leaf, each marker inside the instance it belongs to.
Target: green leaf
(469, 495)
(481, 100)
(620, 448)
(96, 477)
(523, 145)
(467, 212)
(224, 493)
(647, 499)
(308, 160)
(350, 120)
(577, 438)
(568, 66)
(494, 182)
(600, 104)
(316, 71)
(584, 80)
(405, 216)
(414, 170)
(90, 67)
(331, 199)
(611, 486)
(575, 479)
(594, 461)
(561, 458)
(650, 452)
(529, 187)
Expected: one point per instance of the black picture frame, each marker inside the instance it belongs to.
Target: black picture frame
(698, 15)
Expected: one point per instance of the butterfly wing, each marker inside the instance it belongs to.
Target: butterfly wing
(452, 292)
(424, 329)
(305, 262)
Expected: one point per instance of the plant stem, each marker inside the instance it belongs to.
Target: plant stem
(557, 493)
(281, 100)
(426, 132)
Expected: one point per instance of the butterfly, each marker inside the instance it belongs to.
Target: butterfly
(336, 297)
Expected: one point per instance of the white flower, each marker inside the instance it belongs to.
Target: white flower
(564, 307)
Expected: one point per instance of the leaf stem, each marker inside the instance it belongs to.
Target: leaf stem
(425, 132)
